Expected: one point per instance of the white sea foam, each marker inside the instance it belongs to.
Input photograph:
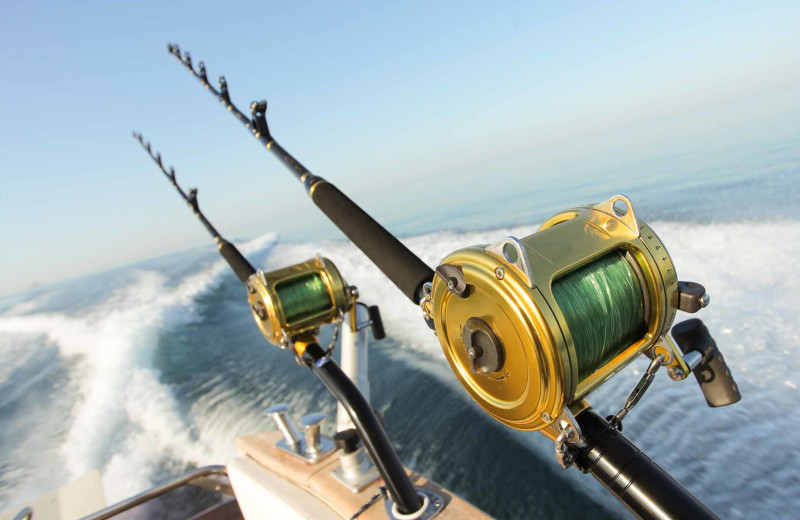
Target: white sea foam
(124, 420)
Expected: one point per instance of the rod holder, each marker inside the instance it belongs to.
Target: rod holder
(278, 414)
(312, 447)
(311, 433)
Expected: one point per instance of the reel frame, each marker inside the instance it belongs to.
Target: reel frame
(503, 287)
(268, 310)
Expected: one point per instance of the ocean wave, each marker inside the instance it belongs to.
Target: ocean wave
(123, 419)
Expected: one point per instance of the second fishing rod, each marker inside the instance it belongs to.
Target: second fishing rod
(238, 263)
(290, 305)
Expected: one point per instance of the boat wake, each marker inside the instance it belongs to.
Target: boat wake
(86, 388)
(120, 417)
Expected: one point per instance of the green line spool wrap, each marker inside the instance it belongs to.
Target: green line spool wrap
(603, 305)
(303, 297)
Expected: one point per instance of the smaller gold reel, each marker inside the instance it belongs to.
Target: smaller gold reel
(296, 299)
(500, 303)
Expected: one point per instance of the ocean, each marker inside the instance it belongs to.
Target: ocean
(151, 369)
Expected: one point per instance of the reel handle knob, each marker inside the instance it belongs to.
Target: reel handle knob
(376, 323)
(712, 374)
(692, 297)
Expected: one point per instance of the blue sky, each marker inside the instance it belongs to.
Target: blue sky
(363, 94)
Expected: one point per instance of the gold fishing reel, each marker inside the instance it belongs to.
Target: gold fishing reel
(517, 342)
(298, 299)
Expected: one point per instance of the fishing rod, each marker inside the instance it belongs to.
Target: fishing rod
(531, 326)
(238, 263)
(407, 271)
(289, 305)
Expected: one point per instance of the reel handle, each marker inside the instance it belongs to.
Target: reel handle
(713, 374)
(631, 476)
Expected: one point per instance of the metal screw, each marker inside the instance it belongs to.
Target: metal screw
(705, 300)
(471, 352)
(546, 417)
(675, 373)
(500, 273)
(259, 310)
(450, 285)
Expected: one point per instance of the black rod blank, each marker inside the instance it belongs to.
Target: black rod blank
(238, 263)
(405, 269)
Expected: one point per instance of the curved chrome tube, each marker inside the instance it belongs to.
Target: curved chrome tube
(156, 492)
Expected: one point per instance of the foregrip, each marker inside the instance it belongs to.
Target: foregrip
(396, 261)
(640, 484)
(238, 263)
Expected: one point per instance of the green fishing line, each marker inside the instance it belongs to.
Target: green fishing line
(302, 297)
(603, 305)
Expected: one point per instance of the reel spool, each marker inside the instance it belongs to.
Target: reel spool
(531, 326)
(296, 299)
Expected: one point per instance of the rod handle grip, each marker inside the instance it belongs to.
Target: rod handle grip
(238, 263)
(405, 269)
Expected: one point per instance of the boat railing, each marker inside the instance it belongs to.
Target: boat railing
(25, 514)
(201, 474)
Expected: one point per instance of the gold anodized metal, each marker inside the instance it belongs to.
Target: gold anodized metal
(539, 377)
(301, 342)
(263, 299)
(530, 382)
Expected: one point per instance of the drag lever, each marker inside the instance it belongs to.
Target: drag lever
(712, 373)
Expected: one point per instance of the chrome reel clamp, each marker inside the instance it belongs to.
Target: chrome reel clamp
(615, 421)
(569, 438)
